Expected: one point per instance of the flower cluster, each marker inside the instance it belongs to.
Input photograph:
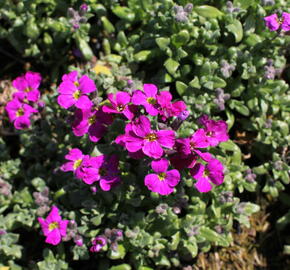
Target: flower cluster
(143, 138)
(111, 236)
(181, 13)
(78, 17)
(274, 23)
(25, 101)
(102, 169)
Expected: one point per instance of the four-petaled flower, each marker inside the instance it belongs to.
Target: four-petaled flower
(164, 181)
(73, 91)
(148, 98)
(53, 227)
(120, 105)
(140, 136)
(205, 174)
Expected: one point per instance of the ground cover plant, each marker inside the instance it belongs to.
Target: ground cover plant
(144, 134)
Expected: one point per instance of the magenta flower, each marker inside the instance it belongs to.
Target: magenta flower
(139, 135)
(215, 131)
(19, 113)
(75, 157)
(94, 122)
(53, 227)
(188, 150)
(164, 181)
(120, 104)
(108, 172)
(274, 23)
(148, 98)
(87, 171)
(168, 109)
(73, 91)
(98, 243)
(83, 166)
(28, 84)
(212, 172)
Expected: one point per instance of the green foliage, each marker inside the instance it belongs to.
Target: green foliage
(141, 40)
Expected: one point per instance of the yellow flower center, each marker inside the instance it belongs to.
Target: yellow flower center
(161, 176)
(209, 133)
(77, 94)
(28, 89)
(76, 84)
(92, 119)
(151, 100)
(53, 225)
(280, 20)
(20, 112)
(77, 163)
(192, 145)
(120, 108)
(151, 137)
(206, 173)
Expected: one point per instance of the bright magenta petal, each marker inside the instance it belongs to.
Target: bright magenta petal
(152, 149)
(53, 237)
(160, 166)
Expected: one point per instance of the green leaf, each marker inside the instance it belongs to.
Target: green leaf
(142, 55)
(208, 11)
(124, 13)
(181, 38)
(245, 4)
(117, 254)
(122, 39)
(84, 47)
(162, 43)
(109, 27)
(180, 87)
(175, 241)
(121, 267)
(191, 247)
(236, 29)
(195, 83)
(171, 65)
(218, 82)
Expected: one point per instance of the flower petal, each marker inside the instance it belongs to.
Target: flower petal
(84, 103)
(139, 98)
(166, 138)
(53, 237)
(152, 149)
(160, 166)
(150, 90)
(172, 178)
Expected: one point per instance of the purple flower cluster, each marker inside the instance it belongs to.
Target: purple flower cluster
(181, 13)
(78, 17)
(142, 138)
(274, 23)
(42, 200)
(25, 100)
(111, 236)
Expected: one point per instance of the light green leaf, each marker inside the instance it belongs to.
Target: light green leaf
(236, 29)
(208, 11)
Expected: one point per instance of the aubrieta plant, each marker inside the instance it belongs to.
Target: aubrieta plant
(114, 174)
